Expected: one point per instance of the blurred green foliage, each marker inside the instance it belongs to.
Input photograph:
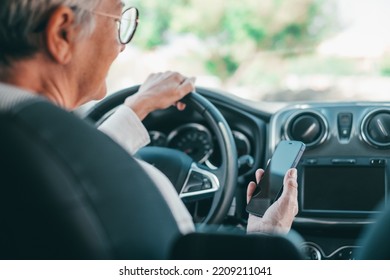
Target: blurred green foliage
(234, 30)
(385, 66)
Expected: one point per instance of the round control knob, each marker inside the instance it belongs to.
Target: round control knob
(309, 128)
(376, 129)
(306, 129)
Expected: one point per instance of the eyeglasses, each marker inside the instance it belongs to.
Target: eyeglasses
(127, 23)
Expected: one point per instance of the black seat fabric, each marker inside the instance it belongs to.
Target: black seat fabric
(374, 240)
(237, 246)
(68, 191)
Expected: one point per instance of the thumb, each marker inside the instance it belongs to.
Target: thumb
(290, 184)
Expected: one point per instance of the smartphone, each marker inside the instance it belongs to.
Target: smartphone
(286, 155)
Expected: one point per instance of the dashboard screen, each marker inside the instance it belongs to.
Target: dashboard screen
(343, 188)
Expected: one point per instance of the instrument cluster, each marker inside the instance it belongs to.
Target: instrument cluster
(198, 142)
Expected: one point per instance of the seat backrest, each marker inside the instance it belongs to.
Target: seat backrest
(230, 245)
(67, 191)
(374, 242)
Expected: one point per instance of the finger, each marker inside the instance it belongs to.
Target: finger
(290, 182)
(180, 106)
(169, 75)
(173, 77)
(252, 185)
(259, 174)
(154, 76)
(289, 197)
(187, 85)
(249, 191)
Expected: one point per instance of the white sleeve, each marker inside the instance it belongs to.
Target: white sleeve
(179, 211)
(125, 128)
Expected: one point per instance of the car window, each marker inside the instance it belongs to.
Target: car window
(270, 50)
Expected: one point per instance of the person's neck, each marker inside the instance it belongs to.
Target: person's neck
(41, 80)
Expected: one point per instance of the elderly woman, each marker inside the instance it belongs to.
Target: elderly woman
(62, 50)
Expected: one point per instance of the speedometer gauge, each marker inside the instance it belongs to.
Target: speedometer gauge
(194, 140)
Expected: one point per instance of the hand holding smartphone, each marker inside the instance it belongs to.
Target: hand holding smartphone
(286, 155)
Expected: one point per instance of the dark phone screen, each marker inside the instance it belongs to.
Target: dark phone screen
(286, 156)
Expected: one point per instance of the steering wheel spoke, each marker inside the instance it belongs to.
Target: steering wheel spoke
(199, 184)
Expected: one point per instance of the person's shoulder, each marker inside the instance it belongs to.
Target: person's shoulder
(11, 95)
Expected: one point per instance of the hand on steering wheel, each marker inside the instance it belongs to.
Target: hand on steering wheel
(192, 180)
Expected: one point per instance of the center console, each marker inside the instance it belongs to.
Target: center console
(343, 175)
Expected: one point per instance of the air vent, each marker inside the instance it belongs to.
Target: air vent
(308, 127)
(375, 129)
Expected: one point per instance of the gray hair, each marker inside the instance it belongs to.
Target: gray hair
(20, 21)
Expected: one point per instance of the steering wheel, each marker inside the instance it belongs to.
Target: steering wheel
(193, 181)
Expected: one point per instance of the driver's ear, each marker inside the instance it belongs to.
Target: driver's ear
(61, 34)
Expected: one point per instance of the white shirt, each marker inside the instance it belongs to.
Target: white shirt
(127, 130)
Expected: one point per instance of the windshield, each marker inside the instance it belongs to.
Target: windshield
(270, 50)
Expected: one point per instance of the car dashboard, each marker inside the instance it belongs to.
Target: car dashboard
(343, 174)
